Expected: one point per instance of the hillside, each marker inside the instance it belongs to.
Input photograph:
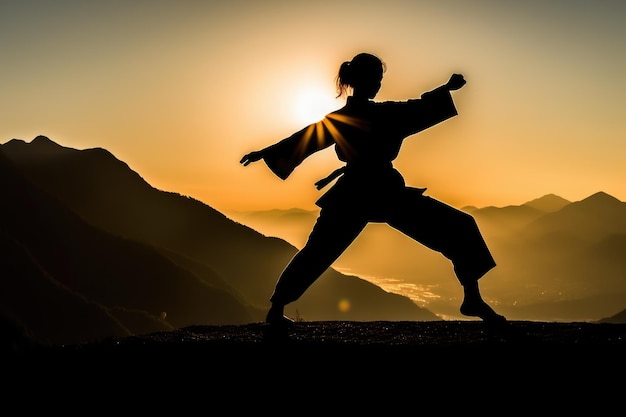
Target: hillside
(66, 281)
(94, 252)
(82, 226)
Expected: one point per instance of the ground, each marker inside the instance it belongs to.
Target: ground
(532, 364)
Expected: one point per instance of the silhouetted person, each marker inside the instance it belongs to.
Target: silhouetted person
(367, 136)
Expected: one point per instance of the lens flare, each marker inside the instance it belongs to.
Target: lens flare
(344, 305)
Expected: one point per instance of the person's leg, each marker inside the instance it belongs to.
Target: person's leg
(332, 234)
(454, 234)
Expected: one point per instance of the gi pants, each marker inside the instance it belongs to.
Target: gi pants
(428, 221)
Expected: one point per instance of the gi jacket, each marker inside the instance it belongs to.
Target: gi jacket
(367, 136)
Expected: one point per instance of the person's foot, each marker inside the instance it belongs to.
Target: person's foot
(479, 308)
(275, 317)
(282, 321)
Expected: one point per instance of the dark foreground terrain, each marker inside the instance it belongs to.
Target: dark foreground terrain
(564, 363)
(256, 345)
(381, 336)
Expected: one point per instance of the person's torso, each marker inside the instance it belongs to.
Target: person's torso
(366, 133)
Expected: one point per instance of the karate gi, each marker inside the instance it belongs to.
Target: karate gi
(367, 136)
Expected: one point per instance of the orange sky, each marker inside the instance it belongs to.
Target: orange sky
(181, 90)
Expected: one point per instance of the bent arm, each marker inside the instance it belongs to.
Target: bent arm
(433, 107)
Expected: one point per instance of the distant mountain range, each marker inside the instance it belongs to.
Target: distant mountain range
(557, 260)
(90, 250)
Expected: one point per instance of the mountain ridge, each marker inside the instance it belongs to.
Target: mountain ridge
(69, 290)
(126, 217)
(188, 238)
(545, 234)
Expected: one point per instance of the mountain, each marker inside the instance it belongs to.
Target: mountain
(292, 225)
(108, 236)
(548, 203)
(557, 260)
(66, 281)
(591, 218)
(578, 252)
(619, 318)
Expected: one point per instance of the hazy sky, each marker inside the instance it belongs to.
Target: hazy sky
(181, 90)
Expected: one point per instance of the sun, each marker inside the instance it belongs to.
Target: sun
(312, 104)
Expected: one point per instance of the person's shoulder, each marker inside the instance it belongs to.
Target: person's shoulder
(341, 111)
(394, 103)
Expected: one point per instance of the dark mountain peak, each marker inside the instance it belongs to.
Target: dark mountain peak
(40, 147)
(14, 145)
(42, 140)
(104, 157)
(599, 204)
(46, 147)
(15, 142)
(591, 218)
(548, 203)
(91, 168)
(601, 198)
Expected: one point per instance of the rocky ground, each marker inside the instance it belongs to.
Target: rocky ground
(380, 334)
(400, 342)
(334, 336)
(561, 364)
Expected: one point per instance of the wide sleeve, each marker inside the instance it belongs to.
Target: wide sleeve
(430, 109)
(283, 157)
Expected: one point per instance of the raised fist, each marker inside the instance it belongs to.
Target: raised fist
(455, 82)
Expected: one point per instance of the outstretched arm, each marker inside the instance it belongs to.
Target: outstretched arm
(283, 157)
(431, 108)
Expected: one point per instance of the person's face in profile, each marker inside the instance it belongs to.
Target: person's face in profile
(369, 84)
(371, 89)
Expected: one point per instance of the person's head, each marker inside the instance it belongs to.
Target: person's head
(363, 74)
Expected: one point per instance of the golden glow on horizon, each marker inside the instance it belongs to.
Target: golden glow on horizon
(180, 91)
